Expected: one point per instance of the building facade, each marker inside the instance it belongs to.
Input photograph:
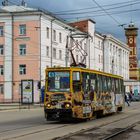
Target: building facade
(31, 40)
(107, 53)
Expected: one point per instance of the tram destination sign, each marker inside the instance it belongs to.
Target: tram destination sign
(27, 91)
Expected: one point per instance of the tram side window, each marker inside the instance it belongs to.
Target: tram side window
(104, 79)
(100, 83)
(109, 84)
(113, 85)
(122, 86)
(117, 86)
(93, 85)
(85, 82)
(76, 81)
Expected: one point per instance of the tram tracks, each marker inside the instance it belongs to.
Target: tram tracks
(51, 127)
(119, 132)
(31, 133)
(116, 132)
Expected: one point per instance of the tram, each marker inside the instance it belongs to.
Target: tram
(81, 93)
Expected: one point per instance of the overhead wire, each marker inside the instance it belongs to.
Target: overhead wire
(106, 5)
(99, 10)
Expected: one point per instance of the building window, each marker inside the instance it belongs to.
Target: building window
(99, 43)
(22, 69)
(60, 54)
(99, 58)
(77, 58)
(1, 70)
(60, 38)
(22, 29)
(1, 50)
(1, 31)
(81, 58)
(54, 35)
(47, 30)
(22, 49)
(1, 89)
(54, 53)
(47, 51)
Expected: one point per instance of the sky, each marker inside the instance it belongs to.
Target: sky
(111, 16)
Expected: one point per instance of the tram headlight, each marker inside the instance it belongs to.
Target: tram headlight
(67, 105)
(48, 105)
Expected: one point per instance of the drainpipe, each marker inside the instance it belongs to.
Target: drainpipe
(12, 18)
(104, 37)
(89, 50)
(40, 54)
(51, 42)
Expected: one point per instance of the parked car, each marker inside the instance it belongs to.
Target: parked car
(136, 98)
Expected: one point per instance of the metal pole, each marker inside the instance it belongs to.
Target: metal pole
(40, 58)
(12, 57)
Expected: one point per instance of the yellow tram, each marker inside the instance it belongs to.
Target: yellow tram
(80, 93)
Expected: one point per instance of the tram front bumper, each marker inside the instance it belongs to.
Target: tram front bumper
(58, 114)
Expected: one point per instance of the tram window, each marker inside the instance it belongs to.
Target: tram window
(117, 85)
(113, 84)
(121, 86)
(76, 81)
(86, 81)
(76, 76)
(104, 79)
(100, 83)
(93, 83)
(109, 84)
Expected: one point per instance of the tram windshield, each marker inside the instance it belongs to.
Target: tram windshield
(59, 81)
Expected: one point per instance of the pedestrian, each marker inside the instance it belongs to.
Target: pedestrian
(130, 97)
(127, 99)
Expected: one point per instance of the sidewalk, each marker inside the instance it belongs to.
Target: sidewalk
(11, 106)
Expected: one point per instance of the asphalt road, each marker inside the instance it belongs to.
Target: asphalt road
(30, 124)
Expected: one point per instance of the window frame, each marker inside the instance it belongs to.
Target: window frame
(54, 53)
(22, 70)
(47, 51)
(1, 31)
(47, 32)
(60, 37)
(1, 49)
(54, 35)
(1, 70)
(22, 29)
(1, 89)
(22, 51)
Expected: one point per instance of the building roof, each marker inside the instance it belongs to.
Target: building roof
(15, 8)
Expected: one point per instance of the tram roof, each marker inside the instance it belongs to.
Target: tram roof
(85, 70)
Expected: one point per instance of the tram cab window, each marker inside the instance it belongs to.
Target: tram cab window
(76, 81)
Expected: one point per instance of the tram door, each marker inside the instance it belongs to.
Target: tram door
(86, 86)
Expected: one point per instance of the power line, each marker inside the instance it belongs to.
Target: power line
(93, 11)
(81, 9)
(98, 15)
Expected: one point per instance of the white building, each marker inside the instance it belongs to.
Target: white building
(116, 57)
(31, 40)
